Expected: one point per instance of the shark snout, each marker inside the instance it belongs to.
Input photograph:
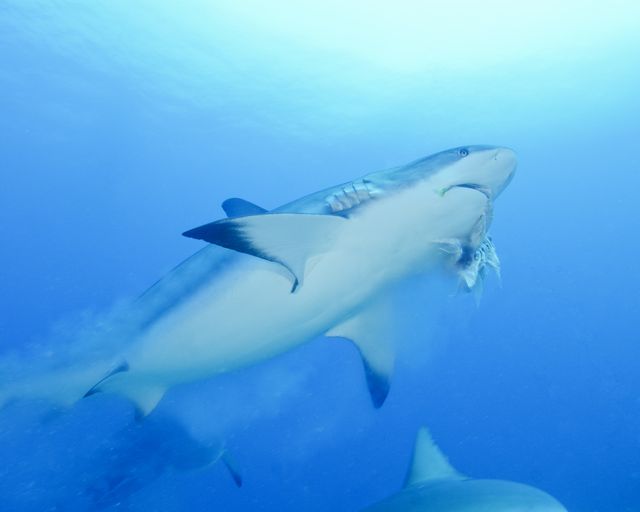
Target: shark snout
(500, 170)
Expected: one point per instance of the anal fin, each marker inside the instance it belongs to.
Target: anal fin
(145, 397)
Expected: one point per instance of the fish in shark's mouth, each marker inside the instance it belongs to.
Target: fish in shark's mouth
(472, 264)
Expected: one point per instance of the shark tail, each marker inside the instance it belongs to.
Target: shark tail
(66, 387)
(59, 387)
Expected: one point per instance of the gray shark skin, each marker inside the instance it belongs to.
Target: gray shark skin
(321, 265)
(433, 485)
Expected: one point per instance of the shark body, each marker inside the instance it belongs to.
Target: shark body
(433, 485)
(320, 265)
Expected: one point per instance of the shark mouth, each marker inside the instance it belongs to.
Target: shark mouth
(474, 186)
(472, 266)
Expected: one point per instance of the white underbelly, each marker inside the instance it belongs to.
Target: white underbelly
(251, 315)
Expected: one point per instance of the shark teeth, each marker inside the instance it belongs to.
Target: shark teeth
(472, 270)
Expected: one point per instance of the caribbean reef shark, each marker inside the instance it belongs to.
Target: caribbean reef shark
(141, 453)
(321, 265)
(433, 485)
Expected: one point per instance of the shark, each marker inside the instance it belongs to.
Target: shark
(433, 484)
(97, 455)
(323, 265)
(142, 452)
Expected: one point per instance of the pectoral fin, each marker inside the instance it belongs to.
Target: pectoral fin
(370, 331)
(285, 238)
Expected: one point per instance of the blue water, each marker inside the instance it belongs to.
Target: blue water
(123, 124)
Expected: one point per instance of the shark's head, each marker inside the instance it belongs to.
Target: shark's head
(451, 195)
(488, 169)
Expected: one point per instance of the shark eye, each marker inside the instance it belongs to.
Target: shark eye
(463, 152)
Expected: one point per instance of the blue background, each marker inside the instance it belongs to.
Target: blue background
(122, 124)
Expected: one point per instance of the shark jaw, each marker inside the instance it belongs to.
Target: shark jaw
(488, 172)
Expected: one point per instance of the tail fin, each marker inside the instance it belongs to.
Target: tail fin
(60, 387)
(66, 387)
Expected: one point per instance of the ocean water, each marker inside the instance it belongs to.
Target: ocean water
(122, 124)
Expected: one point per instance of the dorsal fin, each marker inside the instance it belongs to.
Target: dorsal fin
(237, 207)
(428, 463)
